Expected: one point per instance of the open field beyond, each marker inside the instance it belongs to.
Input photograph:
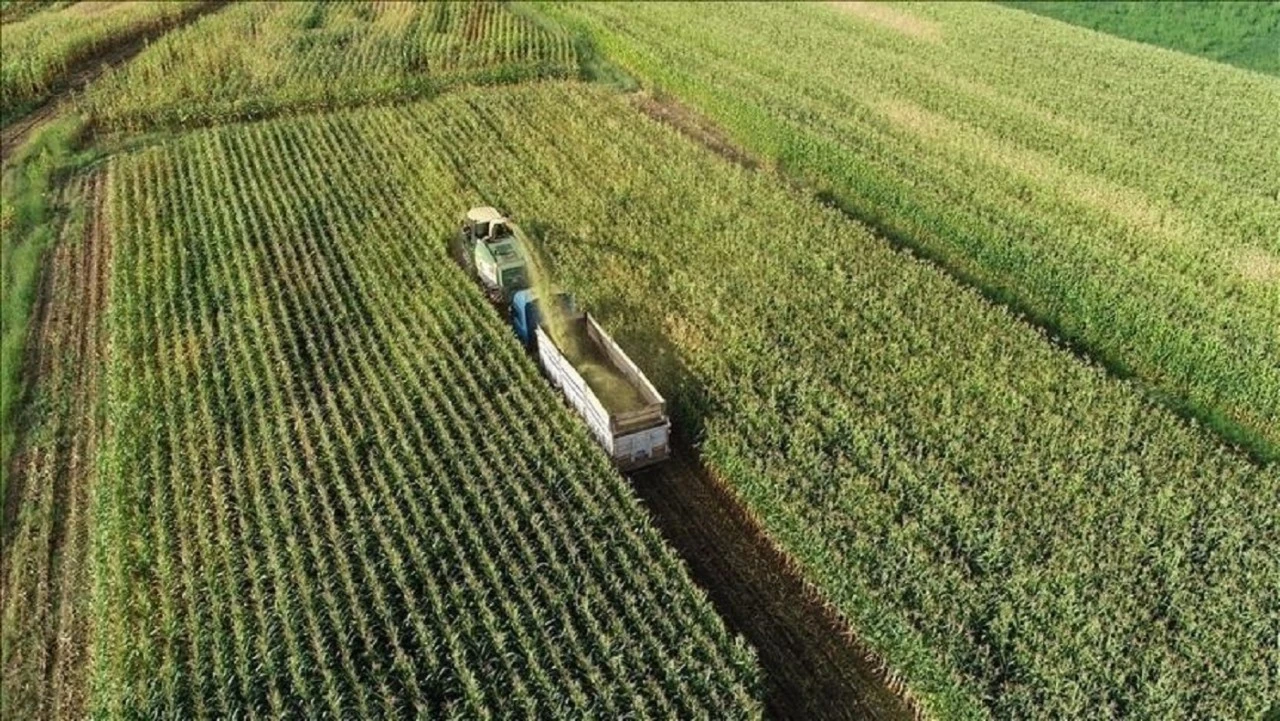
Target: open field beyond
(309, 55)
(1244, 34)
(40, 48)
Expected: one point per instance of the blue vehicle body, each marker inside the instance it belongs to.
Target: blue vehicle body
(526, 313)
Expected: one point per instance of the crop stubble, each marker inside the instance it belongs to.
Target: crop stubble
(46, 571)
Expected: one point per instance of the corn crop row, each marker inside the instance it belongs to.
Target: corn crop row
(1121, 195)
(334, 484)
(1018, 533)
(38, 49)
(262, 58)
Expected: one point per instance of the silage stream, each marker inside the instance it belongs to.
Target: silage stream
(569, 334)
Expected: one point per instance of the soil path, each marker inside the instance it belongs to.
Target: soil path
(45, 574)
(13, 135)
(85, 71)
(667, 110)
(814, 667)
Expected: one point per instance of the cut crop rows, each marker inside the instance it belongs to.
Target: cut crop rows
(334, 486)
(45, 574)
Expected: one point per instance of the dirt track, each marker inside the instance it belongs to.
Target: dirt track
(814, 669)
(15, 134)
(667, 110)
(45, 573)
(85, 71)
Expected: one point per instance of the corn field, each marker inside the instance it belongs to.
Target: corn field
(38, 47)
(256, 59)
(1126, 197)
(972, 313)
(333, 484)
(1017, 533)
(15, 10)
(983, 506)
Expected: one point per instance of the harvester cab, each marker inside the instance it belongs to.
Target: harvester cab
(488, 245)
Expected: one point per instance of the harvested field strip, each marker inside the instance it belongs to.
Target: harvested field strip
(45, 574)
(812, 668)
(344, 530)
(32, 214)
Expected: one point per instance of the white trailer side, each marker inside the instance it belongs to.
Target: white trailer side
(632, 439)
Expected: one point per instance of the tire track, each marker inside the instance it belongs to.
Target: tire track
(71, 635)
(814, 666)
(46, 570)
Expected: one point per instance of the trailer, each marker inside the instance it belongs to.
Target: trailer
(625, 413)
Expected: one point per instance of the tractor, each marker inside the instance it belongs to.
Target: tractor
(487, 247)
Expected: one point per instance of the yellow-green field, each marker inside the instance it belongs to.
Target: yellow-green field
(1123, 196)
(39, 47)
(964, 318)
